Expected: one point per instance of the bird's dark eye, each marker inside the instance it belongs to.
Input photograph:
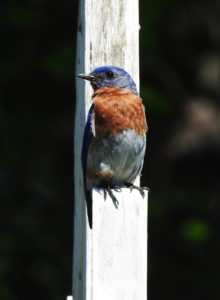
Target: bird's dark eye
(109, 74)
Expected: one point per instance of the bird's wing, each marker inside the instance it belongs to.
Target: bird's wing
(88, 133)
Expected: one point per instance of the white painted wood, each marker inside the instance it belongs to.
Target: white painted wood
(120, 247)
(110, 261)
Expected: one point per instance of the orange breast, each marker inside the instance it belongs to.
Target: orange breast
(117, 110)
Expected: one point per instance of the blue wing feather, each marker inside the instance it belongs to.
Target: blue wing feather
(85, 148)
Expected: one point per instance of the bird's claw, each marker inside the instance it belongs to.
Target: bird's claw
(105, 194)
(112, 196)
(138, 188)
(117, 189)
(108, 190)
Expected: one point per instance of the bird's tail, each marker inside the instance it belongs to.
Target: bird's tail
(88, 195)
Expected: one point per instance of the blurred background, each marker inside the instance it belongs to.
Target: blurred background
(180, 85)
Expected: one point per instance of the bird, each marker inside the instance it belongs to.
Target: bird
(114, 139)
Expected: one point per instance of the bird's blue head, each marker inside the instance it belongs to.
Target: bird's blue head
(110, 77)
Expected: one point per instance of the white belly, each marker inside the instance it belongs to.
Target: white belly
(121, 156)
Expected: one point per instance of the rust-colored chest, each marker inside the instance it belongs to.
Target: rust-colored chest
(117, 110)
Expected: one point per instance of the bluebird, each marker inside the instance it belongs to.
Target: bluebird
(114, 139)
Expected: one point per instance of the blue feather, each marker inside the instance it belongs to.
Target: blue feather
(85, 147)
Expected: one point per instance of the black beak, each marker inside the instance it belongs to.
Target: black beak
(86, 77)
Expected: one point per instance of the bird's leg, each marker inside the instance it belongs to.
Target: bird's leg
(117, 189)
(139, 188)
(107, 190)
(105, 193)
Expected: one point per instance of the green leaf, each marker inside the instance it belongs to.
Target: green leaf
(195, 230)
(59, 62)
(155, 100)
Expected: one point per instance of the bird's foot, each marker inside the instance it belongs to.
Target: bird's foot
(139, 188)
(107, 190)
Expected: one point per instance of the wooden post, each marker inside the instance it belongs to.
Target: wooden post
(109, 261)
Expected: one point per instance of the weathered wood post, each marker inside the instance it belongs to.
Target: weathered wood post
(109, 261)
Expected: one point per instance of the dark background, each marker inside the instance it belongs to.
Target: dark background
(180, 85)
